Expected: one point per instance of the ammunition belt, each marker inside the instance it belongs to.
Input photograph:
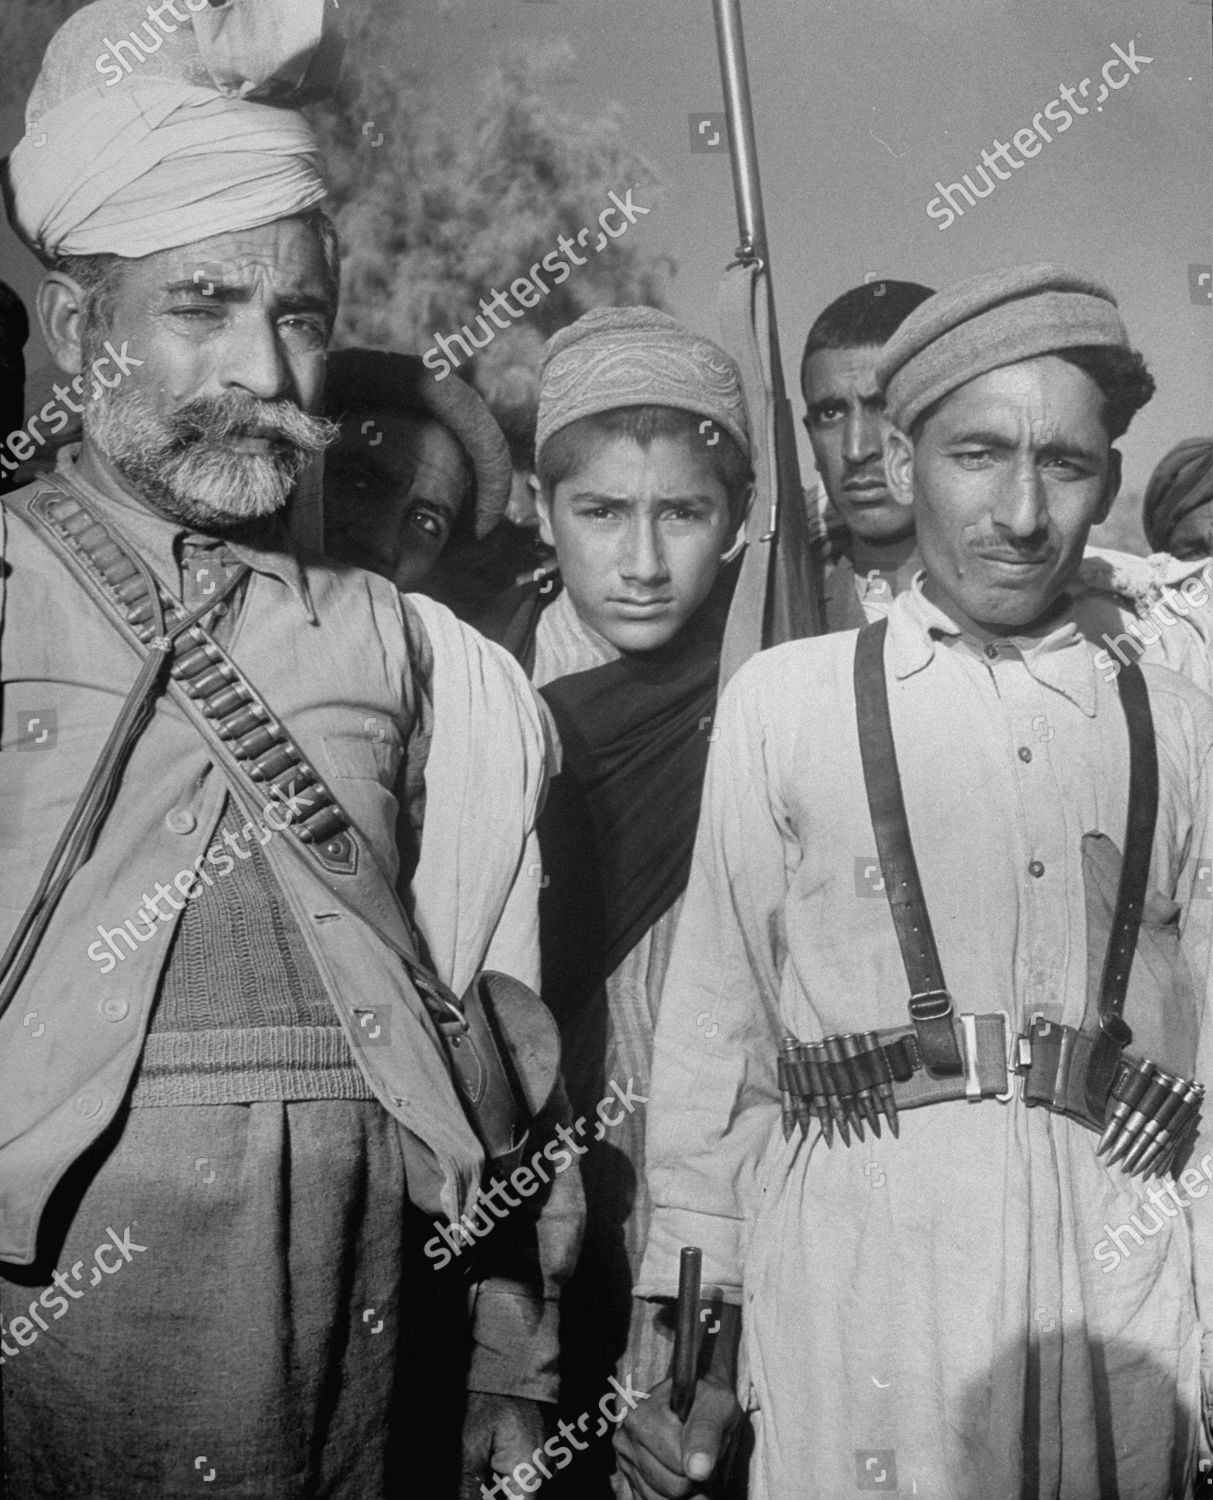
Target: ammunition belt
(845, 1082)
(253, 741)
(848, 1081)
(1149, 1116)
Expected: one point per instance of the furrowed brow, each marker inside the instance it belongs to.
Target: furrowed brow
(305, 302)
(1069, 450)
(982, 438)
(212, 290)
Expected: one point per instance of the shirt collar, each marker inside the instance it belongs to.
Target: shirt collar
(1061, 659)
(266, 549)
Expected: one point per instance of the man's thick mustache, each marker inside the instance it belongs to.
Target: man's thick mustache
(215, 421)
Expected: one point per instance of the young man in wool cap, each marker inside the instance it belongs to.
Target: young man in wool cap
(873, 558)
(643, 463)
(941, 1275)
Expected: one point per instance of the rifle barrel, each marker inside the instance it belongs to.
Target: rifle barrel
(747, 190)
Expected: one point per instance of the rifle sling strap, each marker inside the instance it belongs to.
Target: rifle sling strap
(930, 1002)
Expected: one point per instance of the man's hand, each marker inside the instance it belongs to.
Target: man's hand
(664, 1460)
(499, 1433)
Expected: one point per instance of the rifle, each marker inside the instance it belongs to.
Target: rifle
(779, 590)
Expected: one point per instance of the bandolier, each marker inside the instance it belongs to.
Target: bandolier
(1145, 1117)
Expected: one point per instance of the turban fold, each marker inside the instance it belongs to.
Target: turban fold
(635, 356)
(1181, 483)
(370, 378)
(172, 147)
(994, 319)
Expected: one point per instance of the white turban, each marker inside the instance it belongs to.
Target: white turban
(180, 146)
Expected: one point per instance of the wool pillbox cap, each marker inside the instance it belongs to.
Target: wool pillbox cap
(636, 356)
(996, 318)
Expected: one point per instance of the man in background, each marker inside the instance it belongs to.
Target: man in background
(1177, 511)
(419, 467)
(870, 552)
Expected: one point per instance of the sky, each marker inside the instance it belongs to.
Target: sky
(861, 108)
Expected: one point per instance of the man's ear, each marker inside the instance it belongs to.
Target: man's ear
(60, 305)
(899, 466)
(543, 507)
(1111, 487)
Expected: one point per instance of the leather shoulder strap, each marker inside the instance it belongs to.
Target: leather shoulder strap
(911, 920)
(1114, 1034)
(930, 1003)
(1139, 841)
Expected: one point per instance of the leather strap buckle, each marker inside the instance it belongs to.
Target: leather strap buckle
(1009, 1052)
(978, 1046)
(932, 1014)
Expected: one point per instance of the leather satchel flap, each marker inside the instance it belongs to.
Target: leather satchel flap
(508, 1061)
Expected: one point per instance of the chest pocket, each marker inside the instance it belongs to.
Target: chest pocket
(372, 755)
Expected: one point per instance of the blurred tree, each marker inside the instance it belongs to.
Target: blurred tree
(436, 214)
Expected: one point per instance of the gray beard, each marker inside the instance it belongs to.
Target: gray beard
(194, 479)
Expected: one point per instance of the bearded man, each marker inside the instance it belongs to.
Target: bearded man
(228, 1123)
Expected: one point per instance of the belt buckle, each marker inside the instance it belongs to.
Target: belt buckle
(1009, 1037)
(1021, 1050)
(968, 1030)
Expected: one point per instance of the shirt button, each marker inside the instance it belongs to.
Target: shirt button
(1036, 869)
(991, 650)
(88, 1105)
(114, 1008)
(1025, 754)
(180, 821)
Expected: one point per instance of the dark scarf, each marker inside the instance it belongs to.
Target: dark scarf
(619, 825)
